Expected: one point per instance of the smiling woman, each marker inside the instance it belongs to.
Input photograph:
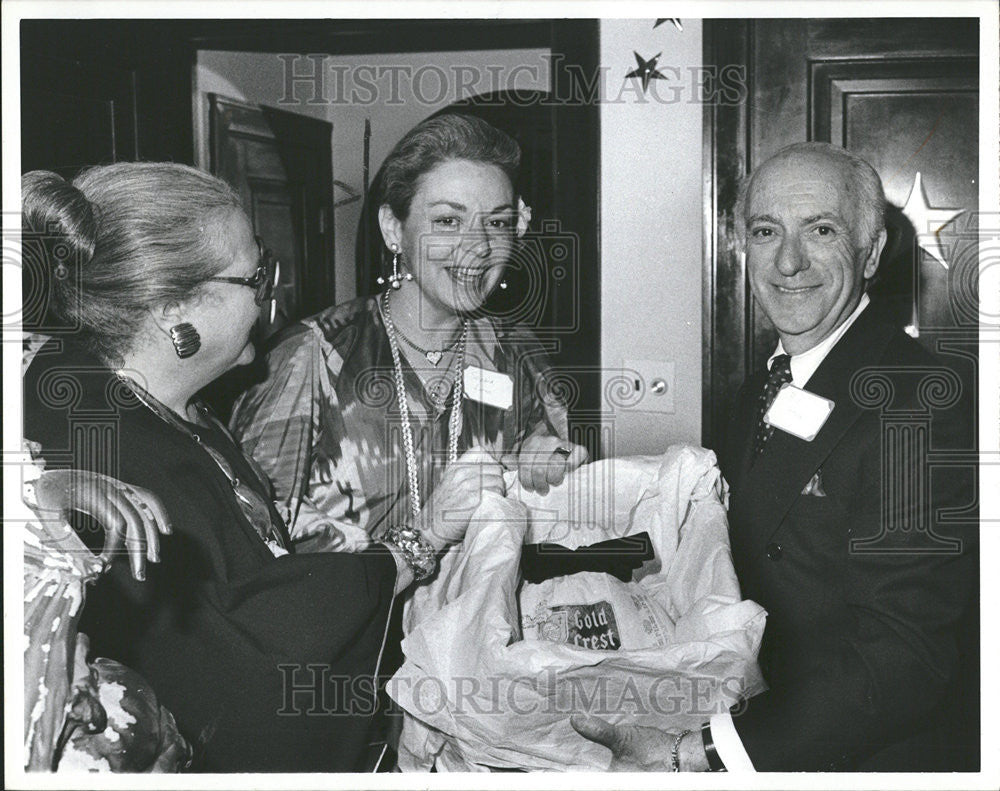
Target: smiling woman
(367, 402)
(390, 415)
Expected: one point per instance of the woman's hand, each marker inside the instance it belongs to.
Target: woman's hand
(132, 517)
(544, 460)
(445, 516)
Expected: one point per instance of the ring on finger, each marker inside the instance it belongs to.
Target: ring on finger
(563, 451)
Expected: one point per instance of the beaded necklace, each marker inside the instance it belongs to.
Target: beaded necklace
(454, 419)
(250, 502)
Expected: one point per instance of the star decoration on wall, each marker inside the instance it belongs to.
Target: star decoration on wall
(928, 221)
(677, 23)
(645, 70)
(343, 194)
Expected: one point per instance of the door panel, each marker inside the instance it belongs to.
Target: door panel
(275, 212)
(280, 163)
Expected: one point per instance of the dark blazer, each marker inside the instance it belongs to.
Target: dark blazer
(865, 587)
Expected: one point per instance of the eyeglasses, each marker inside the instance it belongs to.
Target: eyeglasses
(264, 279)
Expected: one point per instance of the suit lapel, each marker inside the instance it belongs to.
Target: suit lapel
(770, 487)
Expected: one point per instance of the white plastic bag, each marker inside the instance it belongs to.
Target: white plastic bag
(478, 695)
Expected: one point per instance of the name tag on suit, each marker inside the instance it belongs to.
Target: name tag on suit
(799, 412)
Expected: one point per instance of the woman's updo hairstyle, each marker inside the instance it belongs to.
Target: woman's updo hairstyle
(436, 140)
(122, 239)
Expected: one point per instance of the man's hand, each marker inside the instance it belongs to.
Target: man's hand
(637, 748)
(634, 748)
(544, 460)
(132, 517)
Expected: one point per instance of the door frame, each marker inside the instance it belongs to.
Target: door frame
(726, 302)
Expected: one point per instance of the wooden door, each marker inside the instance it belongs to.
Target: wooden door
(280, 163)
(903, 94)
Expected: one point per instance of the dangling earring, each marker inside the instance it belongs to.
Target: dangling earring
(503, 284)
(395, 279)
(186, 339)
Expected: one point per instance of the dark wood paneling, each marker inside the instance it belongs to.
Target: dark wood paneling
(280, 163)
(725, 300)
(140, 69)
(75, 114)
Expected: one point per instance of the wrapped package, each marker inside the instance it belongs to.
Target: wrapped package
(495, 667)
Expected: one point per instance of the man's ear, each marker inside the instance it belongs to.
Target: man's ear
(874, 253)
(391, 227)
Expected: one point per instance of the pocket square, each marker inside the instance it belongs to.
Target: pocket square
(815, 486)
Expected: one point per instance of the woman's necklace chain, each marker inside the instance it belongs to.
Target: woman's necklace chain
(454, 419)
(252, 505)
(433, 355)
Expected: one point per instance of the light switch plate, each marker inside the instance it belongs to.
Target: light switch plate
(652, 383)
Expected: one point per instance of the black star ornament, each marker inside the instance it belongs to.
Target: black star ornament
(645, 70)
(676, 22)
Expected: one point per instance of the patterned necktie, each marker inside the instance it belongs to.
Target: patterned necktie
(781, 372)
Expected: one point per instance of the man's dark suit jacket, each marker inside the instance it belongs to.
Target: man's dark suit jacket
(861, 649)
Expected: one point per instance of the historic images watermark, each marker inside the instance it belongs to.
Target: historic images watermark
(315, 690)
(322, 79)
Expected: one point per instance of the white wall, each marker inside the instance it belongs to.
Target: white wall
(651, 223)
(405, 89)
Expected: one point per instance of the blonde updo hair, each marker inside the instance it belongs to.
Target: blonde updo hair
(120, 240)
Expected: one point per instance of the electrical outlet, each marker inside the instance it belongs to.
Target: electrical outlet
(652, 383)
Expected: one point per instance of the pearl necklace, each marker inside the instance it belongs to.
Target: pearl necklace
(454, 419)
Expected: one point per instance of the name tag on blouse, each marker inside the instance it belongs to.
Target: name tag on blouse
(799, 412)
(488, 387)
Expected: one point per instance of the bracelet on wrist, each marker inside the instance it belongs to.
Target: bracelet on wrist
(675, 750)
(714, 761)
(419, 555)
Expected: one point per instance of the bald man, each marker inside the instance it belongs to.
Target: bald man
(864, 607)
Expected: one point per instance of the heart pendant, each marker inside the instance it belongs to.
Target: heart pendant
(433, 357)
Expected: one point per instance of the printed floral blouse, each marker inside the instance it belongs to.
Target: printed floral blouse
(325, 424)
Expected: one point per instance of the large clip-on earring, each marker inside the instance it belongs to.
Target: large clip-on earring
(395, 279)
(186, 339)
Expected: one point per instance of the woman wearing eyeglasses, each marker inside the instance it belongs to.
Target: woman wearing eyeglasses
(260, 653)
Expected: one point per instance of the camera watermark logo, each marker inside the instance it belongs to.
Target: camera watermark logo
(45, 261)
